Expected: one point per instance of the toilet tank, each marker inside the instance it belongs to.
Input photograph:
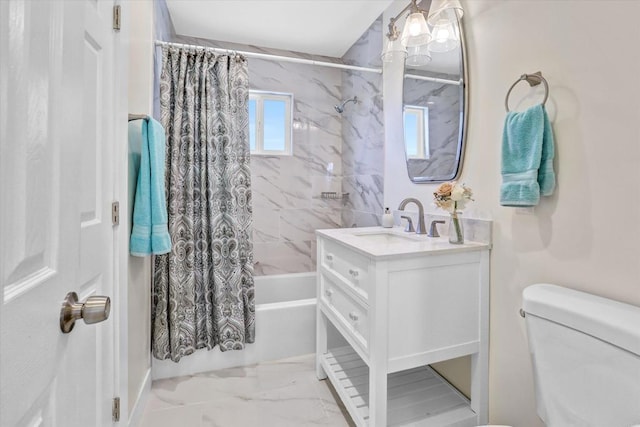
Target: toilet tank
(585, 352)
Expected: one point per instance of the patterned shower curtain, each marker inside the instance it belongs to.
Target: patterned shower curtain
(203, 289)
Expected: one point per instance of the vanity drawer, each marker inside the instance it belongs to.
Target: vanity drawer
(351, 266)
(352, 315)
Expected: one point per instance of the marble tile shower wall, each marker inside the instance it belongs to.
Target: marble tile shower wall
(287, 207)
(443, 101)
(363, 133)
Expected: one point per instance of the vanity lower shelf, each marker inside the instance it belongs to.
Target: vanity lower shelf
(416, 397)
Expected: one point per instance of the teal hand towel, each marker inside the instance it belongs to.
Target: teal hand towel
(546, 174)
(527, 158)
(150, 234)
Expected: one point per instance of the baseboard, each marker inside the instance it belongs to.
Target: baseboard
(135, 413)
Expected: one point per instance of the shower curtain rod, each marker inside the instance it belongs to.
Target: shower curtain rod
(269, 56)
(433, 79)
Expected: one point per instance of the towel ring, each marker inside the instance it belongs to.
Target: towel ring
(534, 80)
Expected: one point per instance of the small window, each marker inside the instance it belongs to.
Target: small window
(416, 132)
(270, 123)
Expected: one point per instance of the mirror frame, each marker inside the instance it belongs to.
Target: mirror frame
(462, 143)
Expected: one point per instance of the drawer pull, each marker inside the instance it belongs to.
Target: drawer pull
(329, 257)
(353, 316)
(353, 273)
(328, 292)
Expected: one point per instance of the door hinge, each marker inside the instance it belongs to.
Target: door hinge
(115, 409)
(115, 213)
(116, 17)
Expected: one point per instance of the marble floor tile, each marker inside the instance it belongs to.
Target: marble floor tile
(188, 415)
(282, 393)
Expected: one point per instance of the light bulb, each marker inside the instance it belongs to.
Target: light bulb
(441, 31)
(415, 30)
(444, 35)
(442, 7)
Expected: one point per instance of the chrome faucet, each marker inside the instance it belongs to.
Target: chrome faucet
(409, 228)
(420, 229)
(433, 229)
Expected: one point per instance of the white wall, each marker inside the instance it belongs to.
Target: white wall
(585, 235)
(139, 284)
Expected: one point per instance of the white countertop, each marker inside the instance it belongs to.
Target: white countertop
(379, 242)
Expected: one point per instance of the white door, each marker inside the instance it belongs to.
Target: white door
(57, 118)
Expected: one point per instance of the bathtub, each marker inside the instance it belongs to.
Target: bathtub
(279, 299)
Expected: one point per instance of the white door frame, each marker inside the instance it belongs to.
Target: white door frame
(121, 238)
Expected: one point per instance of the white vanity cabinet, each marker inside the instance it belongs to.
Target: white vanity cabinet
(402, 303)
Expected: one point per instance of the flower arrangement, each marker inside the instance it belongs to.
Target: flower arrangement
(452, 196)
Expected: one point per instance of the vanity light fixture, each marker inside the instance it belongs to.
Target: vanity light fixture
(417, 40)
(393, 48)
(415, 32)
(438, 10)
(445, 36)
(442, 15)
(418, 56)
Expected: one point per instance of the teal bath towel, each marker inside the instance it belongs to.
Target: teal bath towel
(150, 234)
(527, 158)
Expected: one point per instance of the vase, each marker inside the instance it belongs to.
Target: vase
(456, 231)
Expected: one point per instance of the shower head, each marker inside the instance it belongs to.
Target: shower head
(340, 108)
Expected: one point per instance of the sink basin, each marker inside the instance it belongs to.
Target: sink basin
(384, 238)
(378, 242)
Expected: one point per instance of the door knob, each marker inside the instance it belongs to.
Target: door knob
(95, 309)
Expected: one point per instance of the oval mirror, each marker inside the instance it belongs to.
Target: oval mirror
(435, 101)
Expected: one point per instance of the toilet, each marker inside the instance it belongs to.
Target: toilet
(585, 353)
